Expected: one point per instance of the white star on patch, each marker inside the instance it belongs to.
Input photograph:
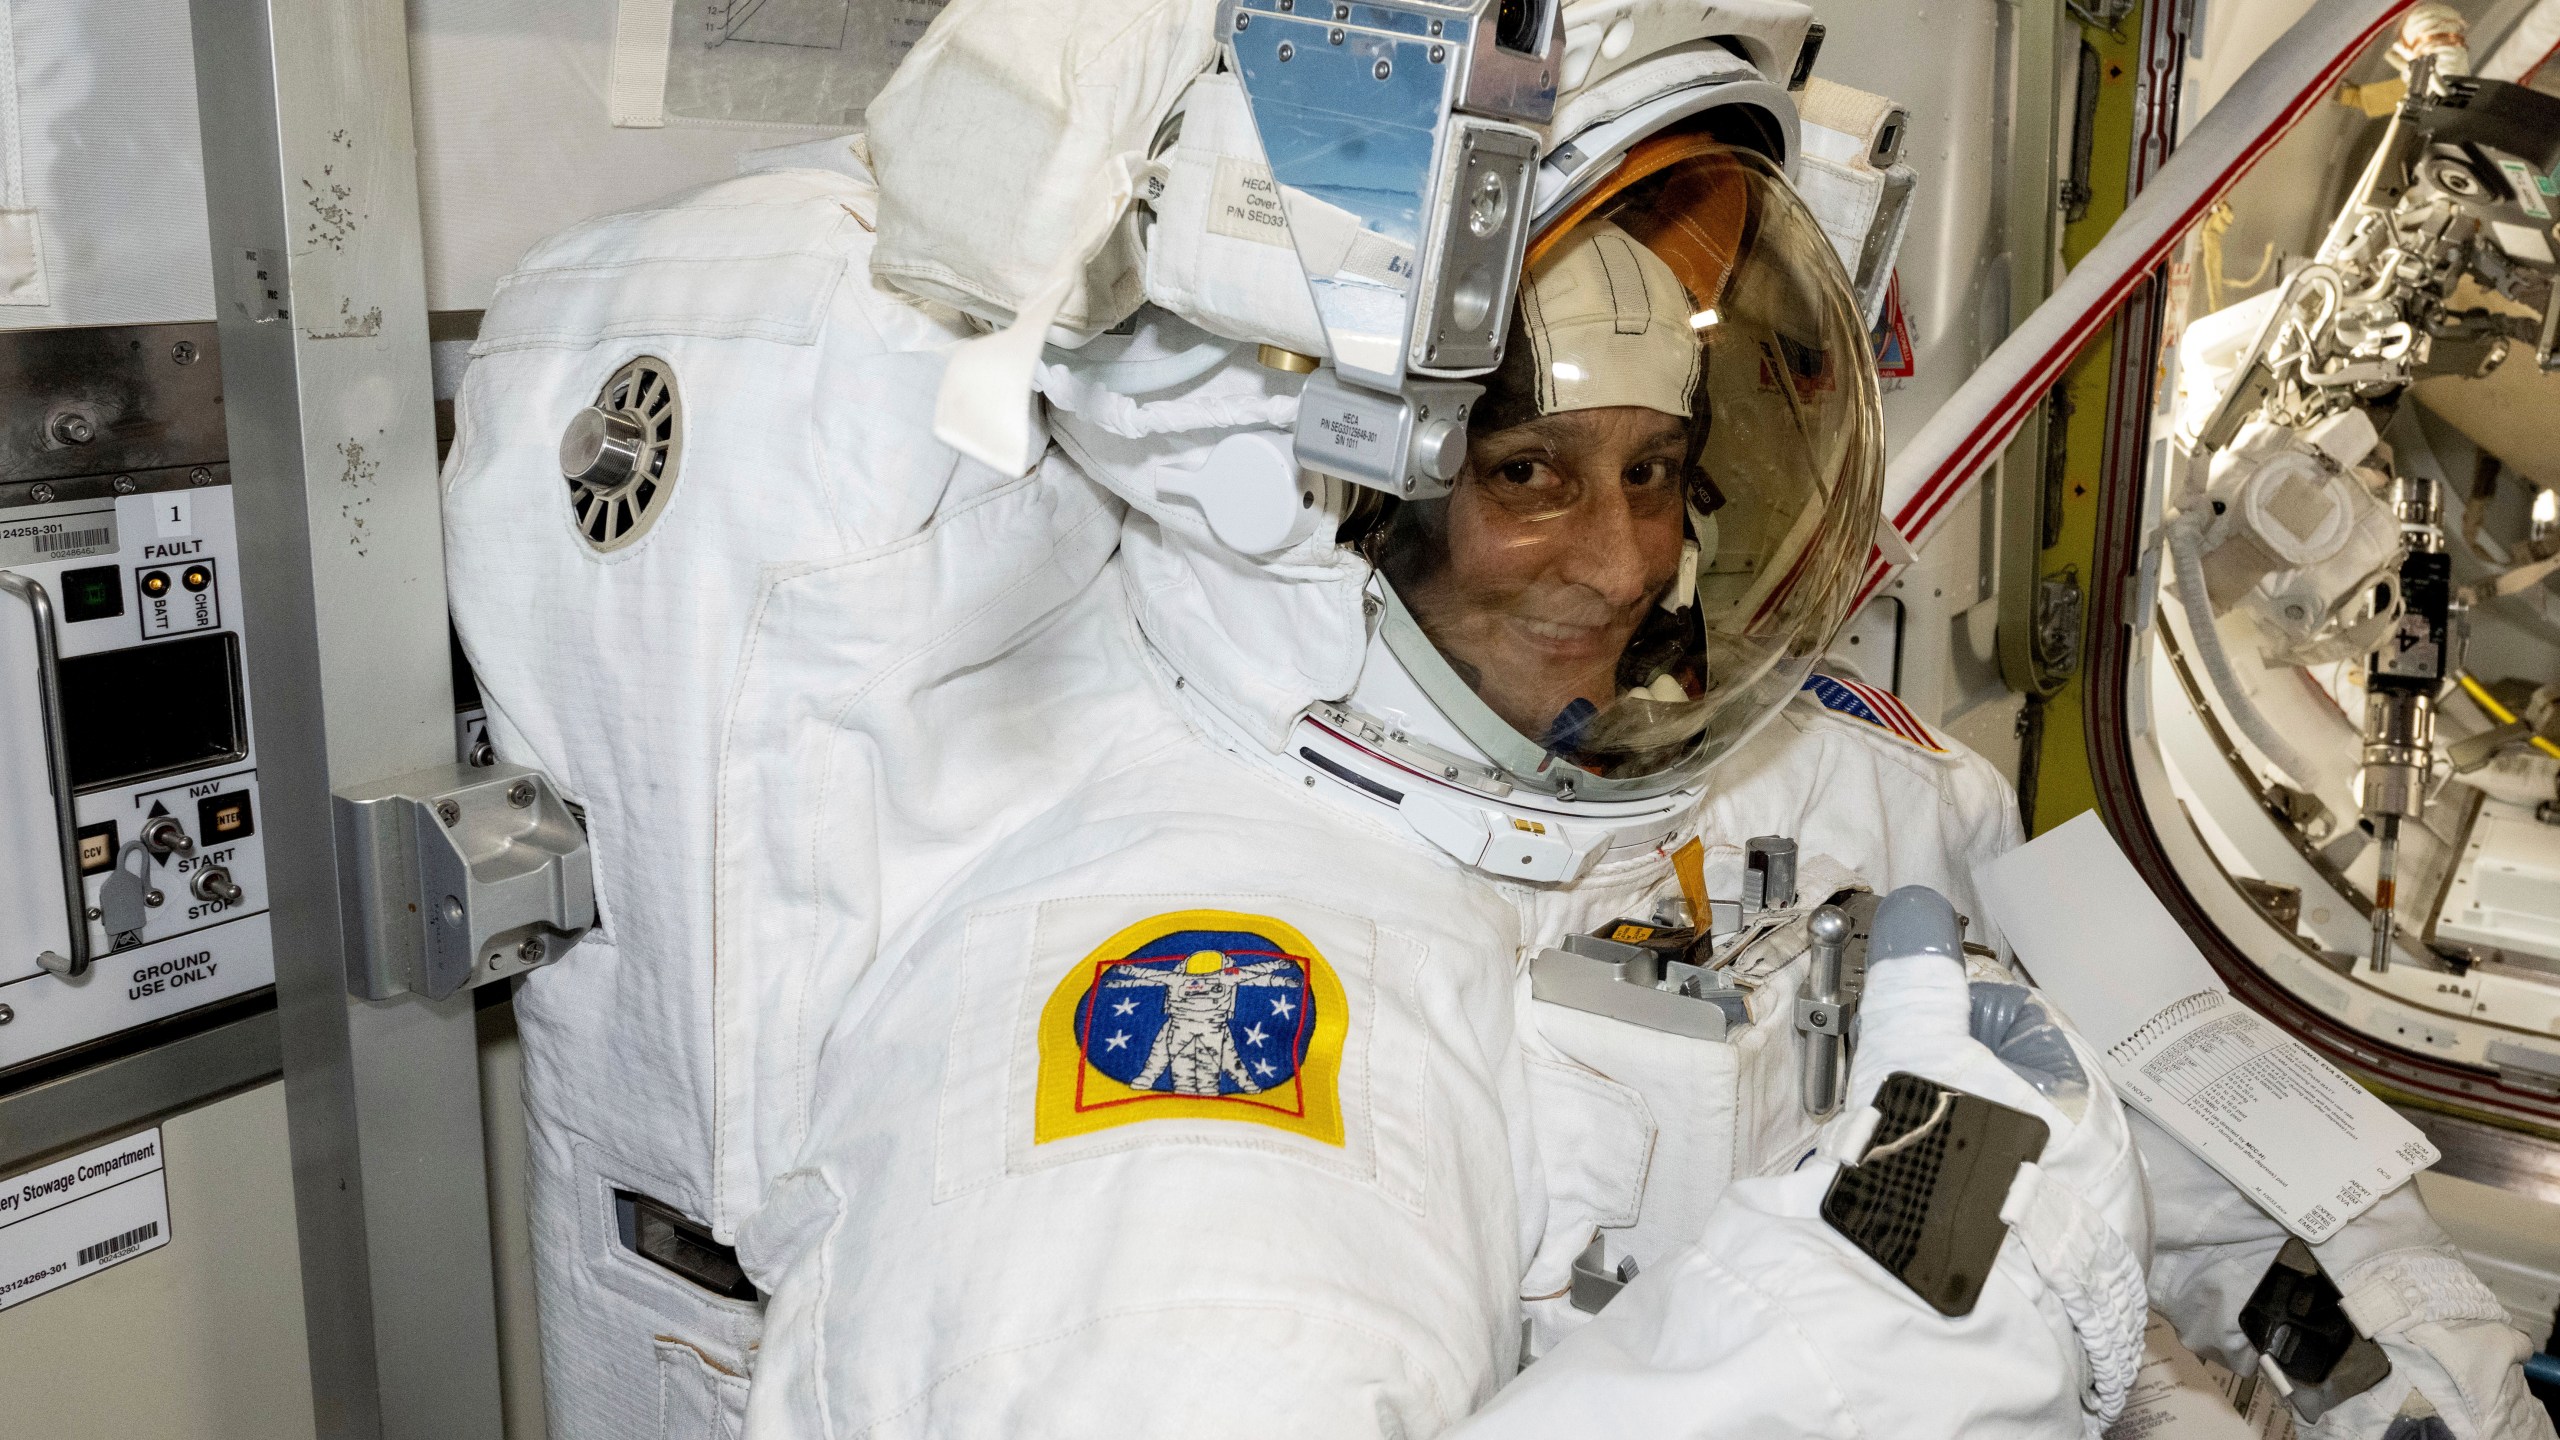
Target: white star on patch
(1116, 1040)
(1264, 1067)
(1253, 1035)
(1124, 1007)
(1283, 1008)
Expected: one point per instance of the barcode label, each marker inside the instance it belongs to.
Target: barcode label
(57, 537)
(118, 1244)
(51, 1218)
(61, 540)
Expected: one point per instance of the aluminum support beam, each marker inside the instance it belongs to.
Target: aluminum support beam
(311, 184)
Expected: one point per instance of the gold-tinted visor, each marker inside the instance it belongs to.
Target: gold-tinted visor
(1670, 489)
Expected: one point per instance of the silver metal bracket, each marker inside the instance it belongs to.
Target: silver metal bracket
(1633, 984)
(456, 876)
(1821, 1014)
(1828, 1006)
(1822, 1017)
(1410, 445)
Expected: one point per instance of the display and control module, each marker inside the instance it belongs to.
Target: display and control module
(132, 875)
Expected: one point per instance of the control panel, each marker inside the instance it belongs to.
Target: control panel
(132, 870)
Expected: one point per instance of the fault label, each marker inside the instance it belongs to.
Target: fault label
(73, 1218)
(175, 589)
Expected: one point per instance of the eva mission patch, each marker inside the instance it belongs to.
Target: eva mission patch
(1197, 1014)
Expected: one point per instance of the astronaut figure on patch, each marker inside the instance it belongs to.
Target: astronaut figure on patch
(1196, 1046)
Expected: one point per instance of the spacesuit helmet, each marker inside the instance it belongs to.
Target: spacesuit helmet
(1441, 221)
(1670, 483)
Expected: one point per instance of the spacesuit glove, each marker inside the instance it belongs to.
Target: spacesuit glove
(2025, 1034)
(2006, 1044)
(2079, 1213)
(2456, 1364)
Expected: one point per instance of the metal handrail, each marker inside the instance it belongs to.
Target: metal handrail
(57, 759)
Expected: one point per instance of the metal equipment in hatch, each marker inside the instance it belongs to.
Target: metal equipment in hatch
(2320, 653)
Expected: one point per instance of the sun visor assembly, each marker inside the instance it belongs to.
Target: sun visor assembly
(1852, 176)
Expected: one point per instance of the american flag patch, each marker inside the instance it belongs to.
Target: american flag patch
(1871, 706)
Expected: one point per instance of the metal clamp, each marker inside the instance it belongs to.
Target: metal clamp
(2546, 343)
(456, 876)
(57, 766)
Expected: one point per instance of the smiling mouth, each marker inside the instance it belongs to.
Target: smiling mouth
(1561, 637)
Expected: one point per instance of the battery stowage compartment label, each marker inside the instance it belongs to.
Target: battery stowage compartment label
(73, 1218)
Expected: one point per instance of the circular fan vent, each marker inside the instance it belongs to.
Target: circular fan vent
(619, 455)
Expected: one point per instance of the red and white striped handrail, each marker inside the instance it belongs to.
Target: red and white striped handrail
(1931, 472)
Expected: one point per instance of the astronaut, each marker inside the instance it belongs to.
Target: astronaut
(996, 745)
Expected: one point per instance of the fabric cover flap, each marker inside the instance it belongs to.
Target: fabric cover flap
(763, 269)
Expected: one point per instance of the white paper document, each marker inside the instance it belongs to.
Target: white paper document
(2180, 1395)
(2311, 1146)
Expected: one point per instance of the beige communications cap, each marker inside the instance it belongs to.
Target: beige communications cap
(1608, 323)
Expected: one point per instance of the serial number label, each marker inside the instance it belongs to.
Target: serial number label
(57, 537)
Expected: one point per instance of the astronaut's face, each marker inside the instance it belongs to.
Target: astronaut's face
(1562, 533)
(1670, 490)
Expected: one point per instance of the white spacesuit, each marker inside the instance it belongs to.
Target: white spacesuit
(1071, 930)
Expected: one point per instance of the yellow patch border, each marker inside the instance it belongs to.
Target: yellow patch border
(1056, 1114)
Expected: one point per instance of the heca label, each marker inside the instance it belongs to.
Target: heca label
(1244, 203)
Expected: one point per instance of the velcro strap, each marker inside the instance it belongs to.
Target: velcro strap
(1845, 1140)
(2415, 1287)
(2094, 1274)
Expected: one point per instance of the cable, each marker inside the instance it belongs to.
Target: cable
(2481, 697)
(1946, 1102)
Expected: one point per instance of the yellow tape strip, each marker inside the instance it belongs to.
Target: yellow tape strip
(2481, 697)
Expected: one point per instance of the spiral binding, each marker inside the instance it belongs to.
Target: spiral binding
(2170, 1017)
